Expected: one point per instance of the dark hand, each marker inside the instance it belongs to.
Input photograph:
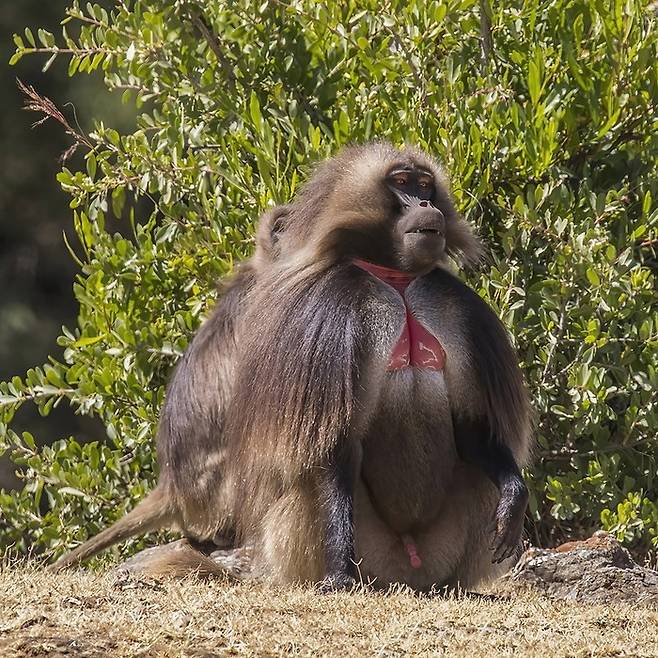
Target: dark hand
(508, 522)
(337, 583)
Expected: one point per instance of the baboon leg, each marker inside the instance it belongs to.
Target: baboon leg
(183, 558)
(290, 547)
(152, 513)
(472, 504)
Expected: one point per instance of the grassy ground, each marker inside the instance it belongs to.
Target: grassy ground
(86, 614)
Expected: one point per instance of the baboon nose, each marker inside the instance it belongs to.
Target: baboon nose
(424, 204)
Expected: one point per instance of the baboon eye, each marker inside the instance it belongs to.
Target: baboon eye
(400, 180)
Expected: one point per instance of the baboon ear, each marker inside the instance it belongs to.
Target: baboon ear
(270, 227)
(272, 223)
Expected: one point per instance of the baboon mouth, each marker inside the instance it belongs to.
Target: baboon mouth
(426, 231)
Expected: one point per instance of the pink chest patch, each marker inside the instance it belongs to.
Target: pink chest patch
(416, 346)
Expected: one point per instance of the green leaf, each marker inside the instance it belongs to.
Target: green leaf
(49, 62)
(46, 38)
(88, 340)
(534, 82)
(30, 37)
(254, 111)
(593, 277)
(71, 491)
(91, 165)
(29, 441)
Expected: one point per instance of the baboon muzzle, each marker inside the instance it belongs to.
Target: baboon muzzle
(421, 217)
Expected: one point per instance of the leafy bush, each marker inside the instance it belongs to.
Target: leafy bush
(546, 116)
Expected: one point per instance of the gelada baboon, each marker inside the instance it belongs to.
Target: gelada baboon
(377, 418)
(191, 493)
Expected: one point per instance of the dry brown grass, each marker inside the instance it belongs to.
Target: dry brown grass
(87, 614)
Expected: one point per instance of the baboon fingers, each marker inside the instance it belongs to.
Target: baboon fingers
(336, 583)
(506, 536)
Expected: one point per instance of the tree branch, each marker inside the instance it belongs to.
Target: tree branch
(213, 43)
(486, 40)
(37, 103)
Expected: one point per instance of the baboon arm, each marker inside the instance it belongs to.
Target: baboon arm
(477, 445)
(152, 513)
(337, 485)
(500, 394)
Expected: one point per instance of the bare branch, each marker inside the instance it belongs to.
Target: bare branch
(486, 41)
(558, 337)
(43, 105)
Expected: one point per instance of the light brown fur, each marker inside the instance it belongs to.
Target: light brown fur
(193, 491)
(318, 433)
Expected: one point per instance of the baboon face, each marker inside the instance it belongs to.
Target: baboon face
(418, 230)
(388, 206)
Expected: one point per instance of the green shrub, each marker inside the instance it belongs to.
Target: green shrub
(548, 126)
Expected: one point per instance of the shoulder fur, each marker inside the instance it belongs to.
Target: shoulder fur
(497, 372)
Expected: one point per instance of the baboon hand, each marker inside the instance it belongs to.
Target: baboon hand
(339, 582)
(508, 521)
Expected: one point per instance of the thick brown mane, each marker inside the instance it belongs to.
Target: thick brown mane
(286, 430)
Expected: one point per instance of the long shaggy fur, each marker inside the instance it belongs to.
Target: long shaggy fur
(193, 489)
(305, 387)
(283, 428)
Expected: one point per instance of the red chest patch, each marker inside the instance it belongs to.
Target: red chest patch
(416, 347)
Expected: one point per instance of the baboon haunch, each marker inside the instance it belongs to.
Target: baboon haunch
(376, 415)
(192, 495)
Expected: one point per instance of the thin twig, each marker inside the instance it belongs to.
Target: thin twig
(43, 105)
(206, 147)
(566, 455)
(80, 52)
(558, 337)
(405, 53)
(213, 42)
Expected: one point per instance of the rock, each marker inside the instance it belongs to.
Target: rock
(237, 562)
(596, 570)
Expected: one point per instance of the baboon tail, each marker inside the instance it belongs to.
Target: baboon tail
(152, 513)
